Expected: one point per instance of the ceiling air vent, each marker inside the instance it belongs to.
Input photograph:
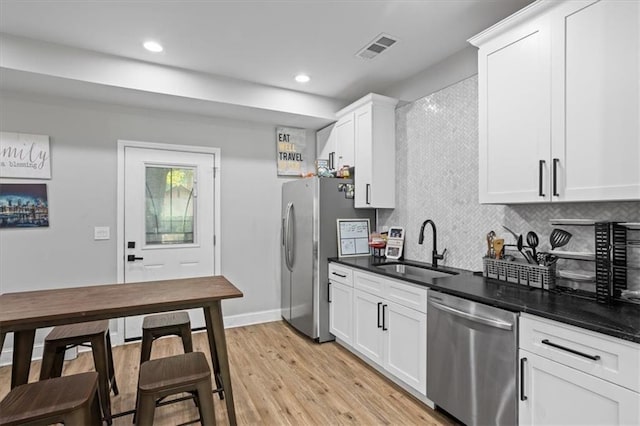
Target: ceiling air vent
(379, 44)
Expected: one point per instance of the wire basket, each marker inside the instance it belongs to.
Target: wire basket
(521, 273)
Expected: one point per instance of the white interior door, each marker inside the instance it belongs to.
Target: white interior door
(168, 219)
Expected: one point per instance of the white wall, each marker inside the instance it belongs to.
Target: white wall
(82, 194)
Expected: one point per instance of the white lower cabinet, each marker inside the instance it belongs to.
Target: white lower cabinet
(555, 394)
(389, 334)
(341, 302)
(368, 336)
(341, 311)
(405, 351)
(572, 376)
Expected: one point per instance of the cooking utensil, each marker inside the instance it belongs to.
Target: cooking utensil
(498, 245)
(532, 240)
(490, 236)
(524, 253)
(559, 238)
(515, 236)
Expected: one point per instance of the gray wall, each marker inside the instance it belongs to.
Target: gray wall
(82, 194)
(437, 178)
(453, 69)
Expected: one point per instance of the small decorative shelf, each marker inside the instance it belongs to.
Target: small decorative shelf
(576, 255)
(583, 276)
(574, 222)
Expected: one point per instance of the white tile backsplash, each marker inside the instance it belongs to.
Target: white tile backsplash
(437, 178)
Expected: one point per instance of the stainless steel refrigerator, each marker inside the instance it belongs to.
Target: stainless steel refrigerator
(310, 208)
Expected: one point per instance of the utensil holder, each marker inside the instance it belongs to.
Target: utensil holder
(533, 276)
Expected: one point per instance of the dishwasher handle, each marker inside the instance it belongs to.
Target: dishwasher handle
(479, 319)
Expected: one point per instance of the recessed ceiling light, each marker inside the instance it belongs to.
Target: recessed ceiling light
(153, 46)
(302, 78)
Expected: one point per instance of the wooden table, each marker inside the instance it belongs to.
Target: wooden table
(23, 313)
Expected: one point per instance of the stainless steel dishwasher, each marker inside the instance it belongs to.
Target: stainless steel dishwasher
(472, 360)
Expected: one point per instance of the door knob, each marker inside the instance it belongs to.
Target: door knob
(133, 258)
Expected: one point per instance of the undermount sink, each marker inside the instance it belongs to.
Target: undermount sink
(414, 271)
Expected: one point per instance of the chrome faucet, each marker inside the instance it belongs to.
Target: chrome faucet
(434, 253)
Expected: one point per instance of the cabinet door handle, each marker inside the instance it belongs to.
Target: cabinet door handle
(379, 304)
(329, 293)
(555, 177)
(384, 318)
(523, 397)
(573, 351)
(368, 192)
(339, 275)
(540, 170)
(331, 158)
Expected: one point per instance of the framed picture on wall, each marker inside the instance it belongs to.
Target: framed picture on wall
(23, 205)
(24, 156)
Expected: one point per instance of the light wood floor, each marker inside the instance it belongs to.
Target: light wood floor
(279, 378)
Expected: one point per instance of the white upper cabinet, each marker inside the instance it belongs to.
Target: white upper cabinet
(345, 142)
(514, 86)
(375, 151)
(559, 103)
(595, 96)
(326, 144)
(336, 143)
(364, 137)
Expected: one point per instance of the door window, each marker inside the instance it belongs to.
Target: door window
(170, 205)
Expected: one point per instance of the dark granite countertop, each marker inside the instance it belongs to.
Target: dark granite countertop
(621, 319)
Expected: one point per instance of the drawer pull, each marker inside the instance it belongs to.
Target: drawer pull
(573, 351)
(339, 275)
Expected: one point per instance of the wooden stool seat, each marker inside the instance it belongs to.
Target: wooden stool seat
(167, 324)
(94, 334)
(81, 330)
(162, 377)
(72, 400)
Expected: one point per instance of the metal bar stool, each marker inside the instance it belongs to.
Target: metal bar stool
(162, 377)
(161, 325)
(72, 400)
(94, 334)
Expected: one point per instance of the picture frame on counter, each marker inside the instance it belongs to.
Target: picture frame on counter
(395, 242)
(353, 237)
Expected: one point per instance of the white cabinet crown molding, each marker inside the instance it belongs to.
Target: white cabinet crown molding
(370, 98)
(534, 9)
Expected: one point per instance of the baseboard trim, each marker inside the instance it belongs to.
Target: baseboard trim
(242, 320)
